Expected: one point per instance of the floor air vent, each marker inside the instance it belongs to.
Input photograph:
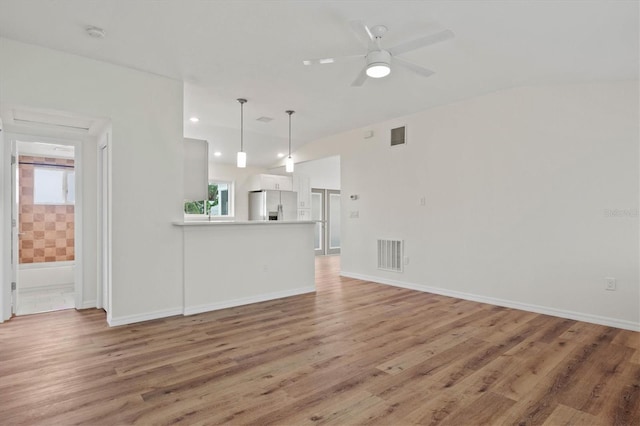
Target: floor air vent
(390, 255)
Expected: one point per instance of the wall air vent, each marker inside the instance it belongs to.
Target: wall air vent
(390, 255)
(399, 136)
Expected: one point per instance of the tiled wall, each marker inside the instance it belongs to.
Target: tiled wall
(47, 230)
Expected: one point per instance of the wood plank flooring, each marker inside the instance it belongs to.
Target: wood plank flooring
(354, 353)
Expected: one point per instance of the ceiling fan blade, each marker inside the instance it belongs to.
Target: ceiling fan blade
(362, 32)
(319, 61)
(425, 72)
(421, 42)
(359, 81)
(323, 61)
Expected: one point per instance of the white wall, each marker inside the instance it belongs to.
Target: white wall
(323, 173)
(240, 179)
(45, 274)
(518, 185)
(146, 115)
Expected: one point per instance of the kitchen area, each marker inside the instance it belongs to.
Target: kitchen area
(272, 197)
(264, 247)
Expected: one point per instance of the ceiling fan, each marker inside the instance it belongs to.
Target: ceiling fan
(378, 60)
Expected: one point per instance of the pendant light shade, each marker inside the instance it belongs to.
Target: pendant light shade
(242, 156)
(288, 164)
(242, 159)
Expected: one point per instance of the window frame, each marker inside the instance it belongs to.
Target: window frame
(65, 185)
(201, 216)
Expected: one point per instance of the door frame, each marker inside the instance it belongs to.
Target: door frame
(320, 222)
(103, 291)
(78, 206)
(6, 240)
(327, 233)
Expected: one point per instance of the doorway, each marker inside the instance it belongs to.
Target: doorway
(325, 211)
(46, 222)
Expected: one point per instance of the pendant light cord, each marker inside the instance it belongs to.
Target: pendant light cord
(242, 102)
(289, 135)
(290, 113)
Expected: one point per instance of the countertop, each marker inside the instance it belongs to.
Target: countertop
(241, 222)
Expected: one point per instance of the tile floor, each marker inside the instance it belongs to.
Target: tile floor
(34, 301)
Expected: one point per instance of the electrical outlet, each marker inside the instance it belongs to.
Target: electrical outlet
(423, 201)
(609, 283)
(355, 214)
(406, 260)
(265, 268)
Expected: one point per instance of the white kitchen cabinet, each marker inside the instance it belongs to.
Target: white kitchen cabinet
(302, 185)
(271, 182)
(304, 214)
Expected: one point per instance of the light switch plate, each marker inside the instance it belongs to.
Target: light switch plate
(610, 283)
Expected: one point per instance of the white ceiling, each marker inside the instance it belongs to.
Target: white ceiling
(254, 49)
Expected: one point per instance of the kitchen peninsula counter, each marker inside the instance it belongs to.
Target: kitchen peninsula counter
(233, 263)
(241, 222)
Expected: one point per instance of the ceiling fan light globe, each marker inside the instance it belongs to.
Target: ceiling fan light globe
(378, 70)
(378, 63)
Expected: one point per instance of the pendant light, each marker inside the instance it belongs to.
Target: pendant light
(288, 165)
(242, 156)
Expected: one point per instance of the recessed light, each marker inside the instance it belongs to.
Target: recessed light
(194, 119)
(217, 153)
(280, 155)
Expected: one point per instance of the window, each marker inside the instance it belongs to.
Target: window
(219, 204)
(53, 186)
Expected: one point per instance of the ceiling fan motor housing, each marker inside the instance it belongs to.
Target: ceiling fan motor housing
(378, 60)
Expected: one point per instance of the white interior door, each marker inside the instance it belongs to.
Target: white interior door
(8, 259)
(325, 211)
(14, 225)
(5, 228)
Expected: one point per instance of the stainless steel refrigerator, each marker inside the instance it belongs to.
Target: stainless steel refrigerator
(273, 205)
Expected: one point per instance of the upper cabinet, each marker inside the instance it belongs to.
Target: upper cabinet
(302, 185)
(196, 169)
(271, 182)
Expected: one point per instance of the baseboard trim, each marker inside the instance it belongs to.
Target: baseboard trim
(88, 304)
(578, 316)
(131, 319)
(192, 310)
